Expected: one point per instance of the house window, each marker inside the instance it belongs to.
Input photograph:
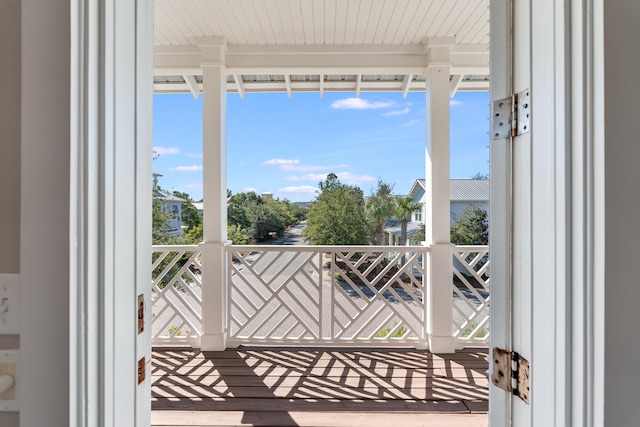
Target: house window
(417, 216)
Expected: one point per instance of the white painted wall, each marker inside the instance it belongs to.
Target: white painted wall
(622, 212)
(44, 239)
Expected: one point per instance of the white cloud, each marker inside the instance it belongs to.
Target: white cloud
(345, 177)
(397, 112)
(292, 178)
(354, 179)
(291, 165)
(281, 162)
(195, 156)
(301, 189)
(454, 103)
(310, 168)
(194, 168)
(161, 151)
(249, 190)
(360, 104)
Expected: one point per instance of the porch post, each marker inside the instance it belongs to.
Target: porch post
(439, 294)
(214, 149)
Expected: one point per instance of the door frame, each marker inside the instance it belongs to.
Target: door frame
(111, 115)
(111, 101)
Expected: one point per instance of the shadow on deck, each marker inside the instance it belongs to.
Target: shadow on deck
(269, 386)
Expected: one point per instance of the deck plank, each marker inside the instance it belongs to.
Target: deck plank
(318, 387)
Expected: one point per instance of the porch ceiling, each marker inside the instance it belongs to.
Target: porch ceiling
(321, 45)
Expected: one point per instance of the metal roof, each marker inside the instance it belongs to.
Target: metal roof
(164, 195)
(469, 190)
(320, 45)
(460, 189)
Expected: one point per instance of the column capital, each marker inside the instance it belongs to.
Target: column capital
(438, 51)
(214, 51)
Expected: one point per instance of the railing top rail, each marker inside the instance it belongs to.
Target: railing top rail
(165, 248)
(472, 247)
(322, 248)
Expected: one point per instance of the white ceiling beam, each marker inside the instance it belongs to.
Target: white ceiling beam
(474, 86)
(358, 85)
(325, 59)
(321, 85)
(192, 84)
(455, 84)
(287, 81)
(328, 86)
(405, 84)
(239, 85)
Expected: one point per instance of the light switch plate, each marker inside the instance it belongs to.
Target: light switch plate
(9, 365)
(10, 295)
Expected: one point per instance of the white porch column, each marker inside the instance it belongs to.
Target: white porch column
(214, 148)
(439, 294)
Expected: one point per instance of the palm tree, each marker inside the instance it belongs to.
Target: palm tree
(378, 210)
(404, 208)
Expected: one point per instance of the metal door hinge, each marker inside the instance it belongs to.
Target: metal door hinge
(511, 373)
(511, 116)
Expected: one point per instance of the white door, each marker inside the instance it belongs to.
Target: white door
(530, 304)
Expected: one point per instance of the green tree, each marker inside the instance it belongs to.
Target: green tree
(379, 208)
(297, 213)
(237, 235)
(194, 235)
(471, 227)
(190, 215)
(159, 225)
(266, 219)
(404, 208)
(420, 234)
(238, 208)
(338, 215)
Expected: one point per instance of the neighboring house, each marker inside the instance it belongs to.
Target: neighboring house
(305, 205)
(463, 193)
(170, 204)
(199, 206)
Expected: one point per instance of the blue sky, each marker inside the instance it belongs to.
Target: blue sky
(287, 145)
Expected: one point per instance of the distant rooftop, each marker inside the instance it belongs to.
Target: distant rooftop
(469, 190)
(462, 190)
(164, 195)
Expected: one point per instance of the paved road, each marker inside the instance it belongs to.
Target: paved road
(293, 236)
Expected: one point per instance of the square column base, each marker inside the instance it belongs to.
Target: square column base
(213, 342)
(441, 345)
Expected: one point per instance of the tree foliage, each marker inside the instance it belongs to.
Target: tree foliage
(267, 220)
(259, 217)
(338, 215)
(379, 208)
(404, 208)
(471, 227)
(237, 235)
(190, 215)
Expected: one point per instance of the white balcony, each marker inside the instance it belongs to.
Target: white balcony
(320, 295)
(315, 334)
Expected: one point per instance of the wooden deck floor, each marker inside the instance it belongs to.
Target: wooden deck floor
(268, 386)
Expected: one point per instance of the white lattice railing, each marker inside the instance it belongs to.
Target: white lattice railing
(326, 294)
(176, 294)
(314, 294)
(471, 294)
